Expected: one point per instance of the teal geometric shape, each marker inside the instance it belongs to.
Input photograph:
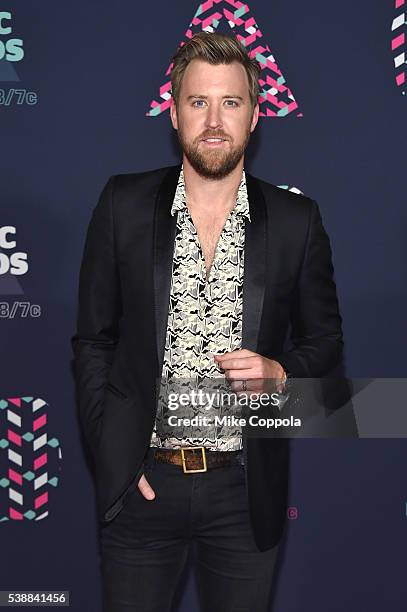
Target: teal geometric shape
(4, 518)
(155, 111)
(241, 11)
(3, 404)
(54, 442)
(3, 443)
(7, 72)
(29, 475)
(30, 514)
(260, 58)
(27, 399)
(283, 111)
(28, 436)
(4, 482)
(53, 481)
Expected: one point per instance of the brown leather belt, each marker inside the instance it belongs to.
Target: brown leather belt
(196, 458)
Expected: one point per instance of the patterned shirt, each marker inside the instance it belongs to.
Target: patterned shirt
(204, 317)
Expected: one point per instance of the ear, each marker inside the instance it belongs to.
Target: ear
(255, 117)
(173, 114)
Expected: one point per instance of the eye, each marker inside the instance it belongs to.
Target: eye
(231, 103)
(196, 103)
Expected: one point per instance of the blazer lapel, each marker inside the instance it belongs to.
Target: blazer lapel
(165, 226)
(254, 265)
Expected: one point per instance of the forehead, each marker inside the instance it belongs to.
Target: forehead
(203, 78)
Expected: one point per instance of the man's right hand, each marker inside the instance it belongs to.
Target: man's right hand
(145, 488)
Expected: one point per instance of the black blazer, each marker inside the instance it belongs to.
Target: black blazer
(290, 313)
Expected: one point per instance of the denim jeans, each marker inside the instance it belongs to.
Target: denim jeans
(145, 547)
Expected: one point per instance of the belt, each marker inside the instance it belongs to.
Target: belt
(197, 458)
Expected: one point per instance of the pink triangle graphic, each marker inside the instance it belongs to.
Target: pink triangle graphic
(276, 99)
(15, 400)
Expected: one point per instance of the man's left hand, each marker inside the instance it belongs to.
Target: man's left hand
(261, 374)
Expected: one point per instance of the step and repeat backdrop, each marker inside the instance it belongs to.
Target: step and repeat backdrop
(84, 94)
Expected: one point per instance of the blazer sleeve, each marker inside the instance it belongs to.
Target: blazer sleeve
(316, 324)
(98, 316)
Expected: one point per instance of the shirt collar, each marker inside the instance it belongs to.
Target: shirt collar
(242, 201)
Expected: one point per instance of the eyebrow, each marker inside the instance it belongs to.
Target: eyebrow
(206, 97)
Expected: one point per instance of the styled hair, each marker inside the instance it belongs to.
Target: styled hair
(215, 49)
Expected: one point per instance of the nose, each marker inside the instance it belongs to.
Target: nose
(214, 117)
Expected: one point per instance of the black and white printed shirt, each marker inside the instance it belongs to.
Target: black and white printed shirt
(204, 317)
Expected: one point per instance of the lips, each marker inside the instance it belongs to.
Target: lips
(214, 139)
(214, 142)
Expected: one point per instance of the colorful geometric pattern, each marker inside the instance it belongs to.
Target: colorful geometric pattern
(292, 189)
(28, 459)
(276, 99)
(398, 44)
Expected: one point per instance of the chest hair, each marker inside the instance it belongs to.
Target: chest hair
(209, 229)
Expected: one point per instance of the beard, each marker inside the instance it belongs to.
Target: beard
(212, 164)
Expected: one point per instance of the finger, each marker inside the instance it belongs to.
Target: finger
(251, 384)
(239, 353)
(236, 386)
(145, 488)
(237, 364)
(243, 374)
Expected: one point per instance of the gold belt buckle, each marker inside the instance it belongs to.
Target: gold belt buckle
(193, 448)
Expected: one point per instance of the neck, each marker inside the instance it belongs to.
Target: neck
(211, 195)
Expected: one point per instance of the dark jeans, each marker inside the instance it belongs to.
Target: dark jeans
(144, 548)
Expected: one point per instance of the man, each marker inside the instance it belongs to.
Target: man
(197, 270)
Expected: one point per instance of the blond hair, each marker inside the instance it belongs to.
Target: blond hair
(215, 49)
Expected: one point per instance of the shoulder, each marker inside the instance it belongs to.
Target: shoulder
(146, 182)
(281, 197)
(124, 193)
(293, 213)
